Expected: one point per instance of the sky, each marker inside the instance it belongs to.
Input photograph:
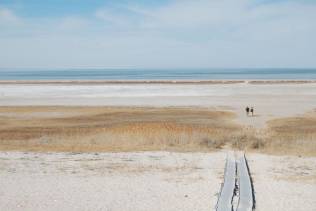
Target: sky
(157, 33)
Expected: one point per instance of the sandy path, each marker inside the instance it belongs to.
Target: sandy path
(283, 182)
(110, 181)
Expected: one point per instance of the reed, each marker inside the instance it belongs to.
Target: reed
(135, 129)
(115, 129)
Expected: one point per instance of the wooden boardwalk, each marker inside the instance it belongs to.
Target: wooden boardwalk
(237, 186)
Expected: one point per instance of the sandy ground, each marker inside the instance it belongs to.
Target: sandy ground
(283, 182)
(110, 181)
(147, 181)
(270, 100)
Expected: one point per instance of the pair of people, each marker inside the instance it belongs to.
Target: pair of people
(251, 110)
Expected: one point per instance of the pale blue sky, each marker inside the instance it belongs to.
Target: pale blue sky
(157, 33)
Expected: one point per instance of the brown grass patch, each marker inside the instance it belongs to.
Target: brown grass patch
(135, 129)
(295, 135)
(291, 135)
(113, 129)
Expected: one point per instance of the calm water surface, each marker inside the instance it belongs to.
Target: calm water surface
(156, 74)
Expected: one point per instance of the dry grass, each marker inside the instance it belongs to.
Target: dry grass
(135, 129)
(113, 129)
(294, 135)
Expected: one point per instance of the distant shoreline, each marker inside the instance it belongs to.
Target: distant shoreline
(101, 82)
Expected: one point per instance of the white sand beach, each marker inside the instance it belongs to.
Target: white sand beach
(270, 100)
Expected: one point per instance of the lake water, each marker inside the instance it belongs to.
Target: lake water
(156, 74)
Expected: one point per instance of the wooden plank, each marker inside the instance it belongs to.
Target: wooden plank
(246, 199)
(224, 202)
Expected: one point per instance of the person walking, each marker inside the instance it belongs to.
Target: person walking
(251, 110)
(247, 110)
